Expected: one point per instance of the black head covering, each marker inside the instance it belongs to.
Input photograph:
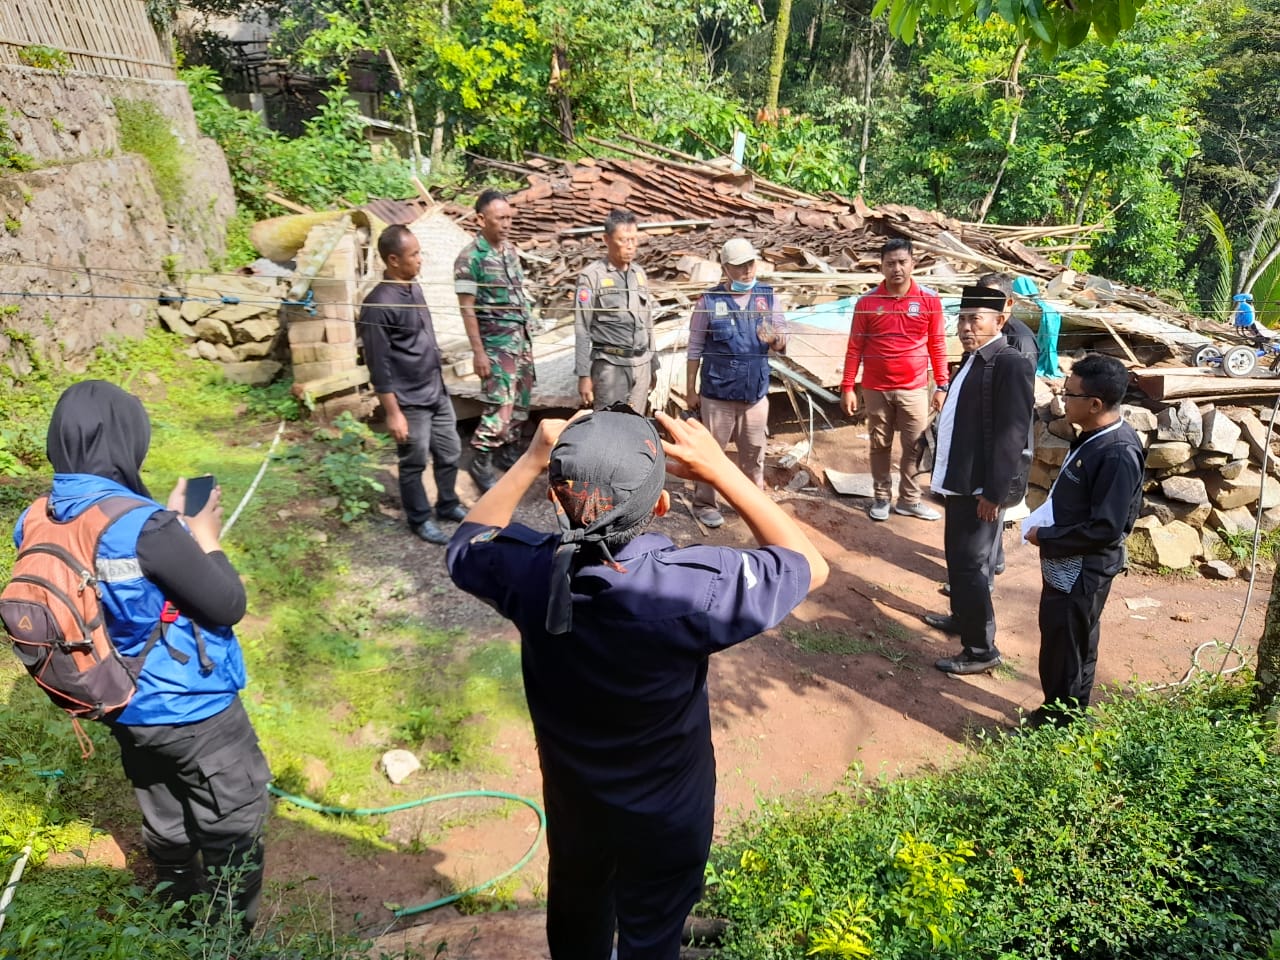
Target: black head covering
(606, 473)
(97, 428)
(978, 298)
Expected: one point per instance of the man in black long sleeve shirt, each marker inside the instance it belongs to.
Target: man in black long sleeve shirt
(404, 364)
(1081, 530)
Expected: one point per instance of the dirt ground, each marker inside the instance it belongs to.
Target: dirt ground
(847, 679)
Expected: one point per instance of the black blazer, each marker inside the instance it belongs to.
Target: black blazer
(992, 458)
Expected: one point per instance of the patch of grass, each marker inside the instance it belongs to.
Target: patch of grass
(812, 639)
(239, 249)
(884, 638)
(146, 131)
(1240, 545)
(99, 912)
(11, 158)
(501, 896)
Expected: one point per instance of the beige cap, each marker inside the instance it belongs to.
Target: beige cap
(738, 251)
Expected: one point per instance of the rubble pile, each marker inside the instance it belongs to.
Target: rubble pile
(814, 247)
(233, 321)
(1204, 475)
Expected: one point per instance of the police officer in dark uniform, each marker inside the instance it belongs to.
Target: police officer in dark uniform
(613, 322)
(1080, 530)
(616, 628)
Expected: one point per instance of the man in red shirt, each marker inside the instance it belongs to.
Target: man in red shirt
(897, 333)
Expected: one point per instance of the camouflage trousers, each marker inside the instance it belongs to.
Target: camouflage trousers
(507, 388)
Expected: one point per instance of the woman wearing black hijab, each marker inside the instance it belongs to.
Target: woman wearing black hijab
(186, 743)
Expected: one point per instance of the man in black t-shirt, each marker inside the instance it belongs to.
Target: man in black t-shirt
(404, 364)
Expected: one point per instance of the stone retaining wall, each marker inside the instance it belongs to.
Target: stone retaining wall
(84, 239)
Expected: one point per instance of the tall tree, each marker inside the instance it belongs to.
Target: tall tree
(781, 30)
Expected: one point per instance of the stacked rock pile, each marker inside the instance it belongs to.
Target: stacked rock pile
(1204, 477)
(233, 321)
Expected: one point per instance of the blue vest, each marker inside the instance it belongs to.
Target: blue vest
(735, 363)
(170, 691)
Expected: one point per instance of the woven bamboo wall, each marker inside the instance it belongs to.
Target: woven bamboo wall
(111, 38)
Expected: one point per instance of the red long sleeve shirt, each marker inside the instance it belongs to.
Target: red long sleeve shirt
(895, 339)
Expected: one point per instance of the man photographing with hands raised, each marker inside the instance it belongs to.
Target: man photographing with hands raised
(616, 627)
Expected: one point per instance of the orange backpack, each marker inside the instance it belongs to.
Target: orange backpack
(52, 611)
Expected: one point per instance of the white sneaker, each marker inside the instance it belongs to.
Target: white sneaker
(918, 510)
(879, 510)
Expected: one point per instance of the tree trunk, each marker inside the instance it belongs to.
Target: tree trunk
(781, 28)
(415, 148)
(816, 25)
(865, 145)
(1247, 275)
(437, 131)
(564, 106)
(1268, 675)
(1080, 210)
(869, 75)
(1015, 94)
(1256, 274)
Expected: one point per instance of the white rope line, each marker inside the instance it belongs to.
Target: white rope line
(253, 486)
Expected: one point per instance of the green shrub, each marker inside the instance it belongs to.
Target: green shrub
(331, 161)
(145, 130)
(11, 158)
(46, 58)
(348, 466)
(1149, 830)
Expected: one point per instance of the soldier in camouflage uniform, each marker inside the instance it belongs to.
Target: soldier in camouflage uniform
(495, 311)
(613, 322)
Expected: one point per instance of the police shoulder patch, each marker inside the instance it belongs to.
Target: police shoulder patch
(584, 294)
(484, 536)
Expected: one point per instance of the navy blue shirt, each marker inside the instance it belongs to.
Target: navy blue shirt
(1097, 497)
(619, 704)
(400, 344)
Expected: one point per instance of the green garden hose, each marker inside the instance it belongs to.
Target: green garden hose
(373, 811)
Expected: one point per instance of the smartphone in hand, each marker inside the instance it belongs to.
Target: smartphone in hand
(199, 489)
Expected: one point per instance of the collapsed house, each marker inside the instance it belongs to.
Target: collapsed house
(821, 253)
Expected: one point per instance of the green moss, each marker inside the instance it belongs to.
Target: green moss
(146, 131)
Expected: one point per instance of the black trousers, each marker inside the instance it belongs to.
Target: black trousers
(202, 788)
(640, 873)
(433, 432)
(969, 544)
(1069, 635)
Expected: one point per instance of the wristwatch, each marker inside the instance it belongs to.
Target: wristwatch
(942, 387)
